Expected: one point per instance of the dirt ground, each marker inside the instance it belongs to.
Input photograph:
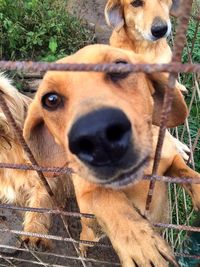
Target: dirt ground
(62, 253)
(93, 12)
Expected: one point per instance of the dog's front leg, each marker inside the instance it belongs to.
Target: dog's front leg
(35, 222)
(131, 235)
(180, 169)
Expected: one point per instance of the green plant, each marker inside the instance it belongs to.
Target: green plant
(193, 41)
(190, 52)
(39, 29)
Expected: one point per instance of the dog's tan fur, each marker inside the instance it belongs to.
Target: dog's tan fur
(17, 186)
(116, 209)
(132, 28)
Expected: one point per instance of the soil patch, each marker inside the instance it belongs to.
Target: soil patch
(93, 12)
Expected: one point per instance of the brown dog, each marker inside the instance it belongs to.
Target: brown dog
(103, 122)
(142, 26)
(17, 186)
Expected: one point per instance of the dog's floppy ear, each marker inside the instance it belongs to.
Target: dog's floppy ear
(179, 109)
(114, 14)
(41, 142)
(175, 7)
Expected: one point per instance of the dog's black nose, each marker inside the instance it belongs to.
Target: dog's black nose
(101, 138)
(159, 29)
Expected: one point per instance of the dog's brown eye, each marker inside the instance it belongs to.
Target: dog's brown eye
(116, 76)
(52, 101)
(137, 3)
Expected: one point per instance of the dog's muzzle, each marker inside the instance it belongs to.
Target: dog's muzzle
(103, 141)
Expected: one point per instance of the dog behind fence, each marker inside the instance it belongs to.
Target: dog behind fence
(37, 257)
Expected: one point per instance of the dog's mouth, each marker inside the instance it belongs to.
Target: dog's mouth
(131, 176)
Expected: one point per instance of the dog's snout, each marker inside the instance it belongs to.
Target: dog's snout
(159, 28)
(101, 138)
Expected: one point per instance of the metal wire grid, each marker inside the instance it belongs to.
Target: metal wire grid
(173, 68)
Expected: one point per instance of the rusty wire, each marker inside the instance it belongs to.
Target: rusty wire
(65, 170)
(99, 244)
(174, 67)
(48, 211)
(54, 237)
(30, 167)
(183, 21)
(8, 259)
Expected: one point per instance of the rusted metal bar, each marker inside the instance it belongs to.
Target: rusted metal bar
(194, 145)
(49, 211)
(180, 39)
(64, 170)
(174, 67)
(163, 126)
(178, 48)
(30, 167)
(197, 257)
(71, 240)
(178, 227)
(54, 237)
(31, 262)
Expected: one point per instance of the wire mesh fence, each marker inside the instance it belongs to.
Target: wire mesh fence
(66, 228)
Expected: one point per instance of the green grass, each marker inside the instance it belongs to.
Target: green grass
(39, 30)
(193, 41)
(188, 80)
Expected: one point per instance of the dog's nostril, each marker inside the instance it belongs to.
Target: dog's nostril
(86, 146)
(114, 133)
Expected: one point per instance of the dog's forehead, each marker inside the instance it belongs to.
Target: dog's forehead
(95, 54)
(124, 2)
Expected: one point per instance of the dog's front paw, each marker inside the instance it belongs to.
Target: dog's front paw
(138, 245)
(37, 243)
(182, 148)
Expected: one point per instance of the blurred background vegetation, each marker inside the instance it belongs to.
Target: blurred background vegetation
(40, 30)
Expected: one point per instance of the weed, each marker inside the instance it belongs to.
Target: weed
(180, 215)
(40, 30)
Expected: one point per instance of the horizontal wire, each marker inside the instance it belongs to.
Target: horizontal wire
(67, 239)
(54, 237)
(59, 256)
(177, 254)
(64, 170)
(174, 67)
(34, 262)
(30, 167)
(49, 211)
